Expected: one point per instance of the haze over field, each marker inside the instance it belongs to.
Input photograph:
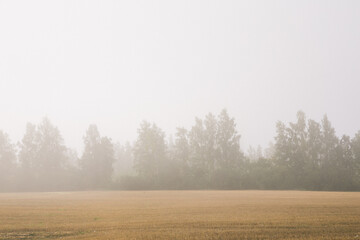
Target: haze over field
(187, 119)
(116, 63)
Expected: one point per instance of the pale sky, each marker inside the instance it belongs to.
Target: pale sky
(116, 63)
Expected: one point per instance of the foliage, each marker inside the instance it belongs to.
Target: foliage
(43, 158)
(305, 155)
(97, 160)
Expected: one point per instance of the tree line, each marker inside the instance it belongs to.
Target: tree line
(305, 155)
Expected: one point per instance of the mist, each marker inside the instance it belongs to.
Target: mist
(160, 119)
(117, 63)
(306, 155)
(165, 71)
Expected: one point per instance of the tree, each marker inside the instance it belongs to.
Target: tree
(124, 161)
(291, 152)
(345, 165)
(282, 151)
(329, 155)
(7, 162)
(282, 156)
(181, 152)
(97, 159)
(43, 157)
(228, 143)
(298, 153)
(210, 144)
(228, 172)
(28, 149)
(197, 161)
(215, 151)
(313, 161)
(203, 150)
(355, 147)
(298, 148)
(52, 151)
(253, 154)
(150, 152)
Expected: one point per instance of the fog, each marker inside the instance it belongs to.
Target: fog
(114, 64)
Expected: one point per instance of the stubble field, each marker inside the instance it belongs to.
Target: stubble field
(180, 215)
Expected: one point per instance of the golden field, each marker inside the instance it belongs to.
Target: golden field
(180, 215)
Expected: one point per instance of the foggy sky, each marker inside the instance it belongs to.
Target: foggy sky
(116, 63)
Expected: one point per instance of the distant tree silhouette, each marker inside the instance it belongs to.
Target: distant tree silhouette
(43, 157)
(97, 160)
(230, 159)
(150, 152)
(7, 162)
(305, 155)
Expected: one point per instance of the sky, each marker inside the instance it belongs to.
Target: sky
(117, 63)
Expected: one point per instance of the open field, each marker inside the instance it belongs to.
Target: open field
(180, 215)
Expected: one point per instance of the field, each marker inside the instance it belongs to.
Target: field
(180, 215)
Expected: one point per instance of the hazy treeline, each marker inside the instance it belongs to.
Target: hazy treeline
(305, 155)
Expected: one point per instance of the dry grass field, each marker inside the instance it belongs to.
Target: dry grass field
(180, 215)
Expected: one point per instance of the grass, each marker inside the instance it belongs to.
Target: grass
(180, 215)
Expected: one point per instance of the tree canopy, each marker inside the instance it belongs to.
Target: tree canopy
(305, 155)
